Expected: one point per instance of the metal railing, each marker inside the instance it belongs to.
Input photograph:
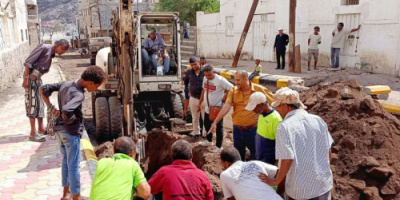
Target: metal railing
(351, 2)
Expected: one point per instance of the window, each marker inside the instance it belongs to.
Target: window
(350, 2)
(22, 35)
(2, 35)
(229, 26)
(26, 34)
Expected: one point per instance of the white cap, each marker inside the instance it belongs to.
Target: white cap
(255, 99)
(280, 29)
(287, 96)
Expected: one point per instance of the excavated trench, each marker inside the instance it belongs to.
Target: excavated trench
(365, 159)
(158, 154)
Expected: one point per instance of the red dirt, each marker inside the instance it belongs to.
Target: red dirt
(366, 155)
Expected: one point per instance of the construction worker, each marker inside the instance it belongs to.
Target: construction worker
(120, 177)
(268, 121)
(240, 179)
(182, 179)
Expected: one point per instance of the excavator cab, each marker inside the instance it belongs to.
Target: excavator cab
(134, 100)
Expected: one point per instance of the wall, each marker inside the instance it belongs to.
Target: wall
(16, 49)
(378, 48)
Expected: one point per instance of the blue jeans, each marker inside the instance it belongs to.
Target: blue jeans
(335, 57)
(253, 75)
(243, 139)
(70, 146)
(146, 56)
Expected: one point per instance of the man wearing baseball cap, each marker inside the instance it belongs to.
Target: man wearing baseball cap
(303, 145)
(268, 121)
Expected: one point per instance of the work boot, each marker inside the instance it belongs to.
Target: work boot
(278, 67)
(37, 138)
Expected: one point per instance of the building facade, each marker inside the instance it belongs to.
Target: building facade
(14, 40)
(33, 23)
(375, 47)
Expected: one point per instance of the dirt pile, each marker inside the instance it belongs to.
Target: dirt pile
(366, 156)
(105, 150)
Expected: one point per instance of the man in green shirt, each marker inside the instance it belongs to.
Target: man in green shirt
(268, 121)
(118, 177)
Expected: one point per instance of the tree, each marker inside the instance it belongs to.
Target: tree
(187, 8)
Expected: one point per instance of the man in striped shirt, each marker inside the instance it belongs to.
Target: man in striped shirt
(303, 145)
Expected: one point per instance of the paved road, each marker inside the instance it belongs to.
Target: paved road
(29, 170)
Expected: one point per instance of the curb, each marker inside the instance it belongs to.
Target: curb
(274, 82)
(86, 145)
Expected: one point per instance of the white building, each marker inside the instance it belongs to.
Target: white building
(14, 45)
(33, 23)
(376, 46)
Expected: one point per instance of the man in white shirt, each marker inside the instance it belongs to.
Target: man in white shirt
(303, 147)
(339, 36)
(240, 181)
(214, 87)
(313, 41)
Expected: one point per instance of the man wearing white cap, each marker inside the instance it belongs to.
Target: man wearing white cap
(281, 41)
(303, 145)
(268, 121)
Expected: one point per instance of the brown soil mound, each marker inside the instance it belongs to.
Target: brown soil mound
(105, 150)
(366, 152)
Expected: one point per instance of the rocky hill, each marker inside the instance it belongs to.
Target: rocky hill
(64, 10)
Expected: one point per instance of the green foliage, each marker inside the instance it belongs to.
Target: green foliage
(187, 8)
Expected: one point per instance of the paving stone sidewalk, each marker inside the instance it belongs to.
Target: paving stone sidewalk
(30, 170)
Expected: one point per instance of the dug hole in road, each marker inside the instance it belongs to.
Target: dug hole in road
(366, 156)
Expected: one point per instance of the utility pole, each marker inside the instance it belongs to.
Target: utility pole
(244, 33)
(292, 38)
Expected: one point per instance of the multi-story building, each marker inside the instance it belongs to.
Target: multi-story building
(14, 39)
(33, 23)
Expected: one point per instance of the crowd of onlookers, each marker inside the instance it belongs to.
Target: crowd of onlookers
(289, 148)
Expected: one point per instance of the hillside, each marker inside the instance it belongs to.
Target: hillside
(64, 10)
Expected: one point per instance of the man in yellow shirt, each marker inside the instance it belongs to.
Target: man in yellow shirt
(244, 121)
(118, 177)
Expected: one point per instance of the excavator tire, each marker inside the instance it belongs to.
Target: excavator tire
(116, 114)
(102, 118)
(177, 105)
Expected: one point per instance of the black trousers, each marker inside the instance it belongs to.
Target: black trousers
(220, 133)
(280, 55)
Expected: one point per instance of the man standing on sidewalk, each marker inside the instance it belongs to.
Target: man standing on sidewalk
(70, 123)
(303, 146)
(313, 41)
(37, 64)
(194, 79)
(244, 121)
(268, 121)
(339, 36)
(281, 41)
(214, 87)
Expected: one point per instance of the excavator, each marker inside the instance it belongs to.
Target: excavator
(133, 100)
